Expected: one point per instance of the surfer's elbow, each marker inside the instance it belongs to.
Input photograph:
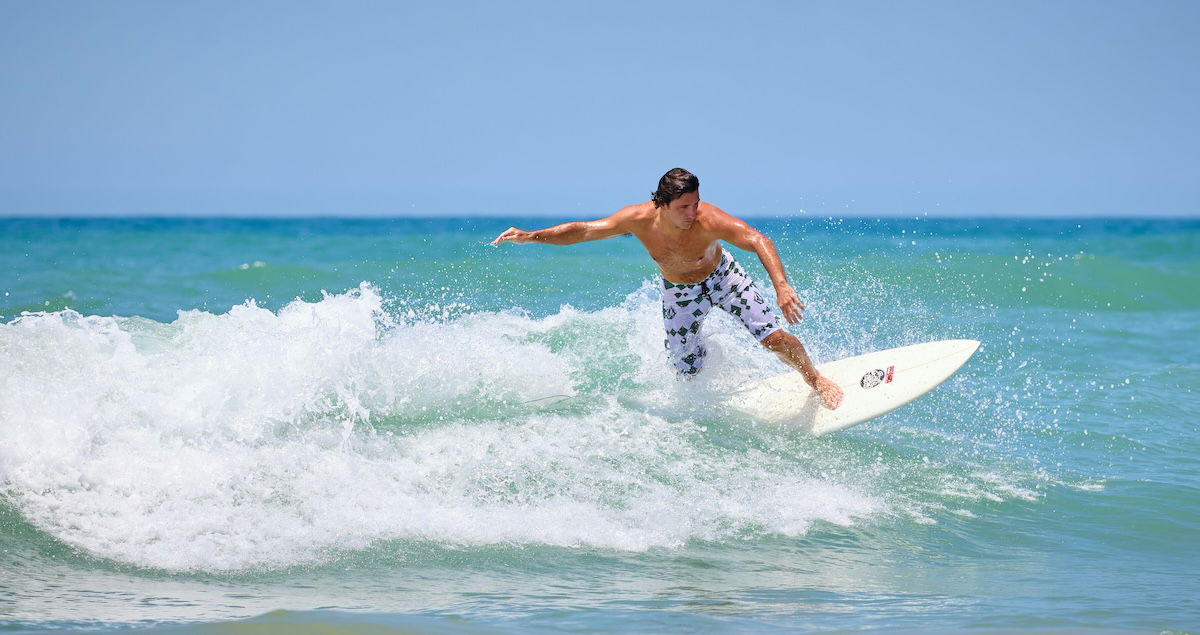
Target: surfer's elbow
(761, 245)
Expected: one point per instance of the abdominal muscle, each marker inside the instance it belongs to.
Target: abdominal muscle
(682, 270)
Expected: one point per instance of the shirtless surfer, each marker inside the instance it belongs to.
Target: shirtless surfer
(681, 233)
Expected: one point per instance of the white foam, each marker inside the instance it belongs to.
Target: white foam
(257, 438)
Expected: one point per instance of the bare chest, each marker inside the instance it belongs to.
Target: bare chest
(683, 260)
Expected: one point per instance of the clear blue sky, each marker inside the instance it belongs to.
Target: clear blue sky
(1048, 107)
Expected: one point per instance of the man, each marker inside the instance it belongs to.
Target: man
(682, 235)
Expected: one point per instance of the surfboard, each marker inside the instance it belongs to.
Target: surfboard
(874, 383)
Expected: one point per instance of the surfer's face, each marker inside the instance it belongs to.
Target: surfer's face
(682, 211)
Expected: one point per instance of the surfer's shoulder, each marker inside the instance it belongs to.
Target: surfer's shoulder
(634, 215)
(717, 220)
(711, 212)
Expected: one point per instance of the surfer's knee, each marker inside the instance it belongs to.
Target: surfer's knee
(778, 340)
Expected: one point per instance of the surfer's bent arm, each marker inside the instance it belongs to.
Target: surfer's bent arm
(743, 236)
(568, 233)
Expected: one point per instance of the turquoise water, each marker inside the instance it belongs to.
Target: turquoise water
(248, 425)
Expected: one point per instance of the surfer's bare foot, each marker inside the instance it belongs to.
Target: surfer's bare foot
(831, 394)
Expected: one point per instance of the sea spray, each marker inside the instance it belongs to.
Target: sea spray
(254, 439)
(261, 439)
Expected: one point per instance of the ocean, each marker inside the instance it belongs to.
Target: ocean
(364, 426)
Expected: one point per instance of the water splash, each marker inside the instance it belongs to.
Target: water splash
(255, 439)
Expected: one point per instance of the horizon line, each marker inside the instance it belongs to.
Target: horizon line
(798, 215)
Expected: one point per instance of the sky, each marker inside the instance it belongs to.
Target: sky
(569, 108)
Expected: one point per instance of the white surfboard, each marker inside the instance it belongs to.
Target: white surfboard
(875, 384)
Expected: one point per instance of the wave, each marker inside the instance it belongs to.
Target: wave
(263, 439)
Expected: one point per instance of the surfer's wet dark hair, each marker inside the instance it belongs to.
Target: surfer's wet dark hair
(675, 183)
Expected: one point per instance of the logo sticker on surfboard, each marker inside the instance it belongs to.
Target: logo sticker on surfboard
(877, 376)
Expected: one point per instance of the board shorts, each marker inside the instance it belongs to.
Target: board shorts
(686, 305)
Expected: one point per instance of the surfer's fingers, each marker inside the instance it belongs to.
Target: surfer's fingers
(505, 236)
(791, 308)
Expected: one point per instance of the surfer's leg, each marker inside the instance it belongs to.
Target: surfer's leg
(741, 299)
(684, 308)
(791, 352)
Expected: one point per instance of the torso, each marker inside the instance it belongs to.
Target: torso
(683, 256)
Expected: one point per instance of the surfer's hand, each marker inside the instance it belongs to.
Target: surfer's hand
(789, 303)
(512, 235)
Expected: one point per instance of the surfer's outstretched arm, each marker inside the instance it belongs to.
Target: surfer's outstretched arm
(791, 352)
(565, 234)
(570, 233)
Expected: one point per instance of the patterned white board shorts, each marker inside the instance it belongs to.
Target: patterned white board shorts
(686, 305)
